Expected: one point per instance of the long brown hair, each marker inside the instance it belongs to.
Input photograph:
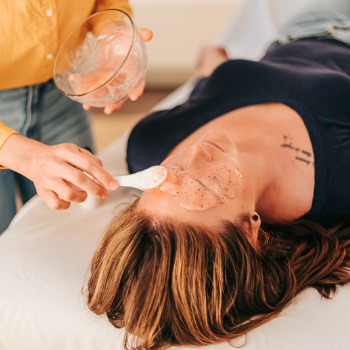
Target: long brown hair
(169, 283)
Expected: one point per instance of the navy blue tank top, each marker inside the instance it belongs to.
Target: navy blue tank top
(311, 76)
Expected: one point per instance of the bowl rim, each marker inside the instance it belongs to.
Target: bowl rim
(118, 69)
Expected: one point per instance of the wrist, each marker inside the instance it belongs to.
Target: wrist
(18, 153)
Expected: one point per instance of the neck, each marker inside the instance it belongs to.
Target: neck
(259, 152)
(264, 174)
(258, 134)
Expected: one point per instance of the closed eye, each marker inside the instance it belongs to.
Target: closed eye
(201, 183)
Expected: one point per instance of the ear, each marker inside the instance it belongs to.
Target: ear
(255, 223)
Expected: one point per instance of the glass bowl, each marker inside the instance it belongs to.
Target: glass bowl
(102, 60)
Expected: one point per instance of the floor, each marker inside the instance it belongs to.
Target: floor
(107, 128)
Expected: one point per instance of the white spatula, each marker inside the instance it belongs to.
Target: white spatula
(143, 180)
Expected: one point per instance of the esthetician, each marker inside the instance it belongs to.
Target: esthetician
(45, 137)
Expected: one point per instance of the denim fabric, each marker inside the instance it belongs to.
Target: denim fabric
(325, 21)
(42, 113)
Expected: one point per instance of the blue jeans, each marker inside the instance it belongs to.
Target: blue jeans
(330, 20)
(42, 113)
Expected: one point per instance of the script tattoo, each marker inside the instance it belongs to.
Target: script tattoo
(301, 155)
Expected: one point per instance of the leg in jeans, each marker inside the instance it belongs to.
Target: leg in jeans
(61, 120)
(7, 198)
(331, 19)
(13, 112)
(26, 187)
(42, 113)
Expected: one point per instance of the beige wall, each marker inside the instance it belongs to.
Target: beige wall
(180, 27)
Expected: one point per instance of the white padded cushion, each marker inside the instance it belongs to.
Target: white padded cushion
(44, 256)
(43, 259)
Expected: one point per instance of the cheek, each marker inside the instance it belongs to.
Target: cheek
(192, 196)
(225, 180)
(221, 182)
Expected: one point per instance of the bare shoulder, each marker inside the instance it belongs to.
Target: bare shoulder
(290, 196)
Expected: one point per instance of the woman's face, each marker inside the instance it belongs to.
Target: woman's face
(207, 182)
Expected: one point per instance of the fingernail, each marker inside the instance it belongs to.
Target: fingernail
(113, 185)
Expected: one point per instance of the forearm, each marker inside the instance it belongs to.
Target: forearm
(17, 154)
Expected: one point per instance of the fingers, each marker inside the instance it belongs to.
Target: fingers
(75, 182)
(136, 93)
(58, 173)
(146, 34)
(72, 155)
(113, 107)
(53, 201)
(69, 192)
(89, 154)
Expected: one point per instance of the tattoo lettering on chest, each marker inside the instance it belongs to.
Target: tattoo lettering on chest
(301, 155)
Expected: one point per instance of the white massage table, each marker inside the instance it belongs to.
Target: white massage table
(44, 254)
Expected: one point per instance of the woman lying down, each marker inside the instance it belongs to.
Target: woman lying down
(253, 209)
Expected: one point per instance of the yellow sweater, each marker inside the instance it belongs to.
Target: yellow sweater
(32, 31)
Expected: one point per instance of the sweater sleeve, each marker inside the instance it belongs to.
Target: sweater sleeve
(5, 133)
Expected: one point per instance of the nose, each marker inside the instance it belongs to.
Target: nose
(198, 156)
